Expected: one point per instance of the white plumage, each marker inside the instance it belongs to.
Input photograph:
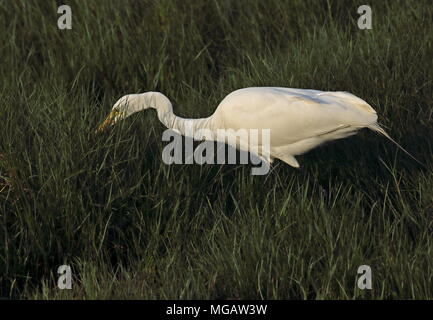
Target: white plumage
(299, 119)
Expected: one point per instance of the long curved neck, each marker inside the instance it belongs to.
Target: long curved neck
(164, 109)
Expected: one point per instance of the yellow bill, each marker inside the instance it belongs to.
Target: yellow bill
(110, 120)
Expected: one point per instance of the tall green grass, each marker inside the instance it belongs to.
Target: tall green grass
(132, 227)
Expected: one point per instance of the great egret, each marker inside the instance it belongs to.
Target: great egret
(298, 119)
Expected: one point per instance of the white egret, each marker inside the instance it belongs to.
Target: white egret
(298, 119)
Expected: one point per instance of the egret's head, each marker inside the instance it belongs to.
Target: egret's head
(123, 108)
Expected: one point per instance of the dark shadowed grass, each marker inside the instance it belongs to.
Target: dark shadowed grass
(132, 227)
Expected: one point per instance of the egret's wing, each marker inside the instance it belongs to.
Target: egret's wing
(292, 114)
(299, 120)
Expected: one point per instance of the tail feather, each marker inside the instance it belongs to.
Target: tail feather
(376, 127)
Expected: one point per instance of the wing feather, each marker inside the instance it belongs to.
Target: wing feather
(294, 114)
